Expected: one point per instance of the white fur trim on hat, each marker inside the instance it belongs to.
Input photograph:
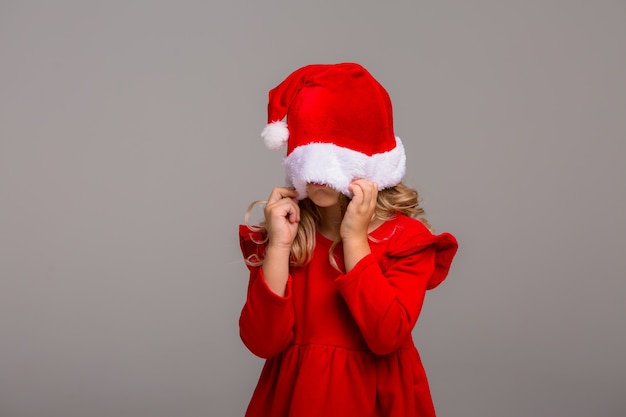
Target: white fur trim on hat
(275, 135)
(329, 164)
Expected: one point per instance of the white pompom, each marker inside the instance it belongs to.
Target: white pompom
(275, 135)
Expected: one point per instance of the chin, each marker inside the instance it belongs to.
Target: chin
(322, 195)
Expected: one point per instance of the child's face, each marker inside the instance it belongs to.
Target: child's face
(322, 195)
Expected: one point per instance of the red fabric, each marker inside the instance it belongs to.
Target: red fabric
(341, 104)
(341, 344)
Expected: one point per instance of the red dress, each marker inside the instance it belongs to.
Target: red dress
(340, 344)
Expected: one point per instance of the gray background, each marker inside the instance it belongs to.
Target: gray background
(130, 149)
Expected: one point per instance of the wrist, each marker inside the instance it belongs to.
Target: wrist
(278, 249)
(354, 250)
(354, 238)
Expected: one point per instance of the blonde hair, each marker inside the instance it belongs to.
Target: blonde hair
(397, 199)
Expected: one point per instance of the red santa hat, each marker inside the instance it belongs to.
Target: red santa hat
(339, 128)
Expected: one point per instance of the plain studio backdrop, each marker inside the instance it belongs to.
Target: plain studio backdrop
(130, 149)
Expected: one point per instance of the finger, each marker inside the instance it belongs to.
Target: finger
(294, 215)
(285, 207)
(370, 189)
(367, 192)
(365, 183)
(292, 210)
(279, 193)
(357, 193)
(373, 193)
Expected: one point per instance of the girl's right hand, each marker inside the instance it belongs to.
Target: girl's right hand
(282, 215)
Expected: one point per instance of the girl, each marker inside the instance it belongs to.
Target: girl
(341, 264)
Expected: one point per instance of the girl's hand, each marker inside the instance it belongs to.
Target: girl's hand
(356, 222)
(282, 215)
(360, 210)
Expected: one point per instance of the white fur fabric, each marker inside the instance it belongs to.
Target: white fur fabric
(275, 135)
(329, 164)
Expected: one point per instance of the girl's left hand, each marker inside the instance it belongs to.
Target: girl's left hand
(360, 210)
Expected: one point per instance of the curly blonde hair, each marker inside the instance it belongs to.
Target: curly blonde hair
(397, 199)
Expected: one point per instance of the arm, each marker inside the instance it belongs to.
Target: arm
(386, 306)
(266, 321)
(357, 221)
(282, 215)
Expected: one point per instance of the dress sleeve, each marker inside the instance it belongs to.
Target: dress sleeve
(386, 304)
(266, 320)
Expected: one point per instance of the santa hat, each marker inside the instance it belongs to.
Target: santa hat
(339, 128)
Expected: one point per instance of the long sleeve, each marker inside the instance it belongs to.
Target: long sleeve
(386, 305)
(267, 319)
(340, 343)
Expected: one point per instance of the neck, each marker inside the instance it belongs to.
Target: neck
(330, 221)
